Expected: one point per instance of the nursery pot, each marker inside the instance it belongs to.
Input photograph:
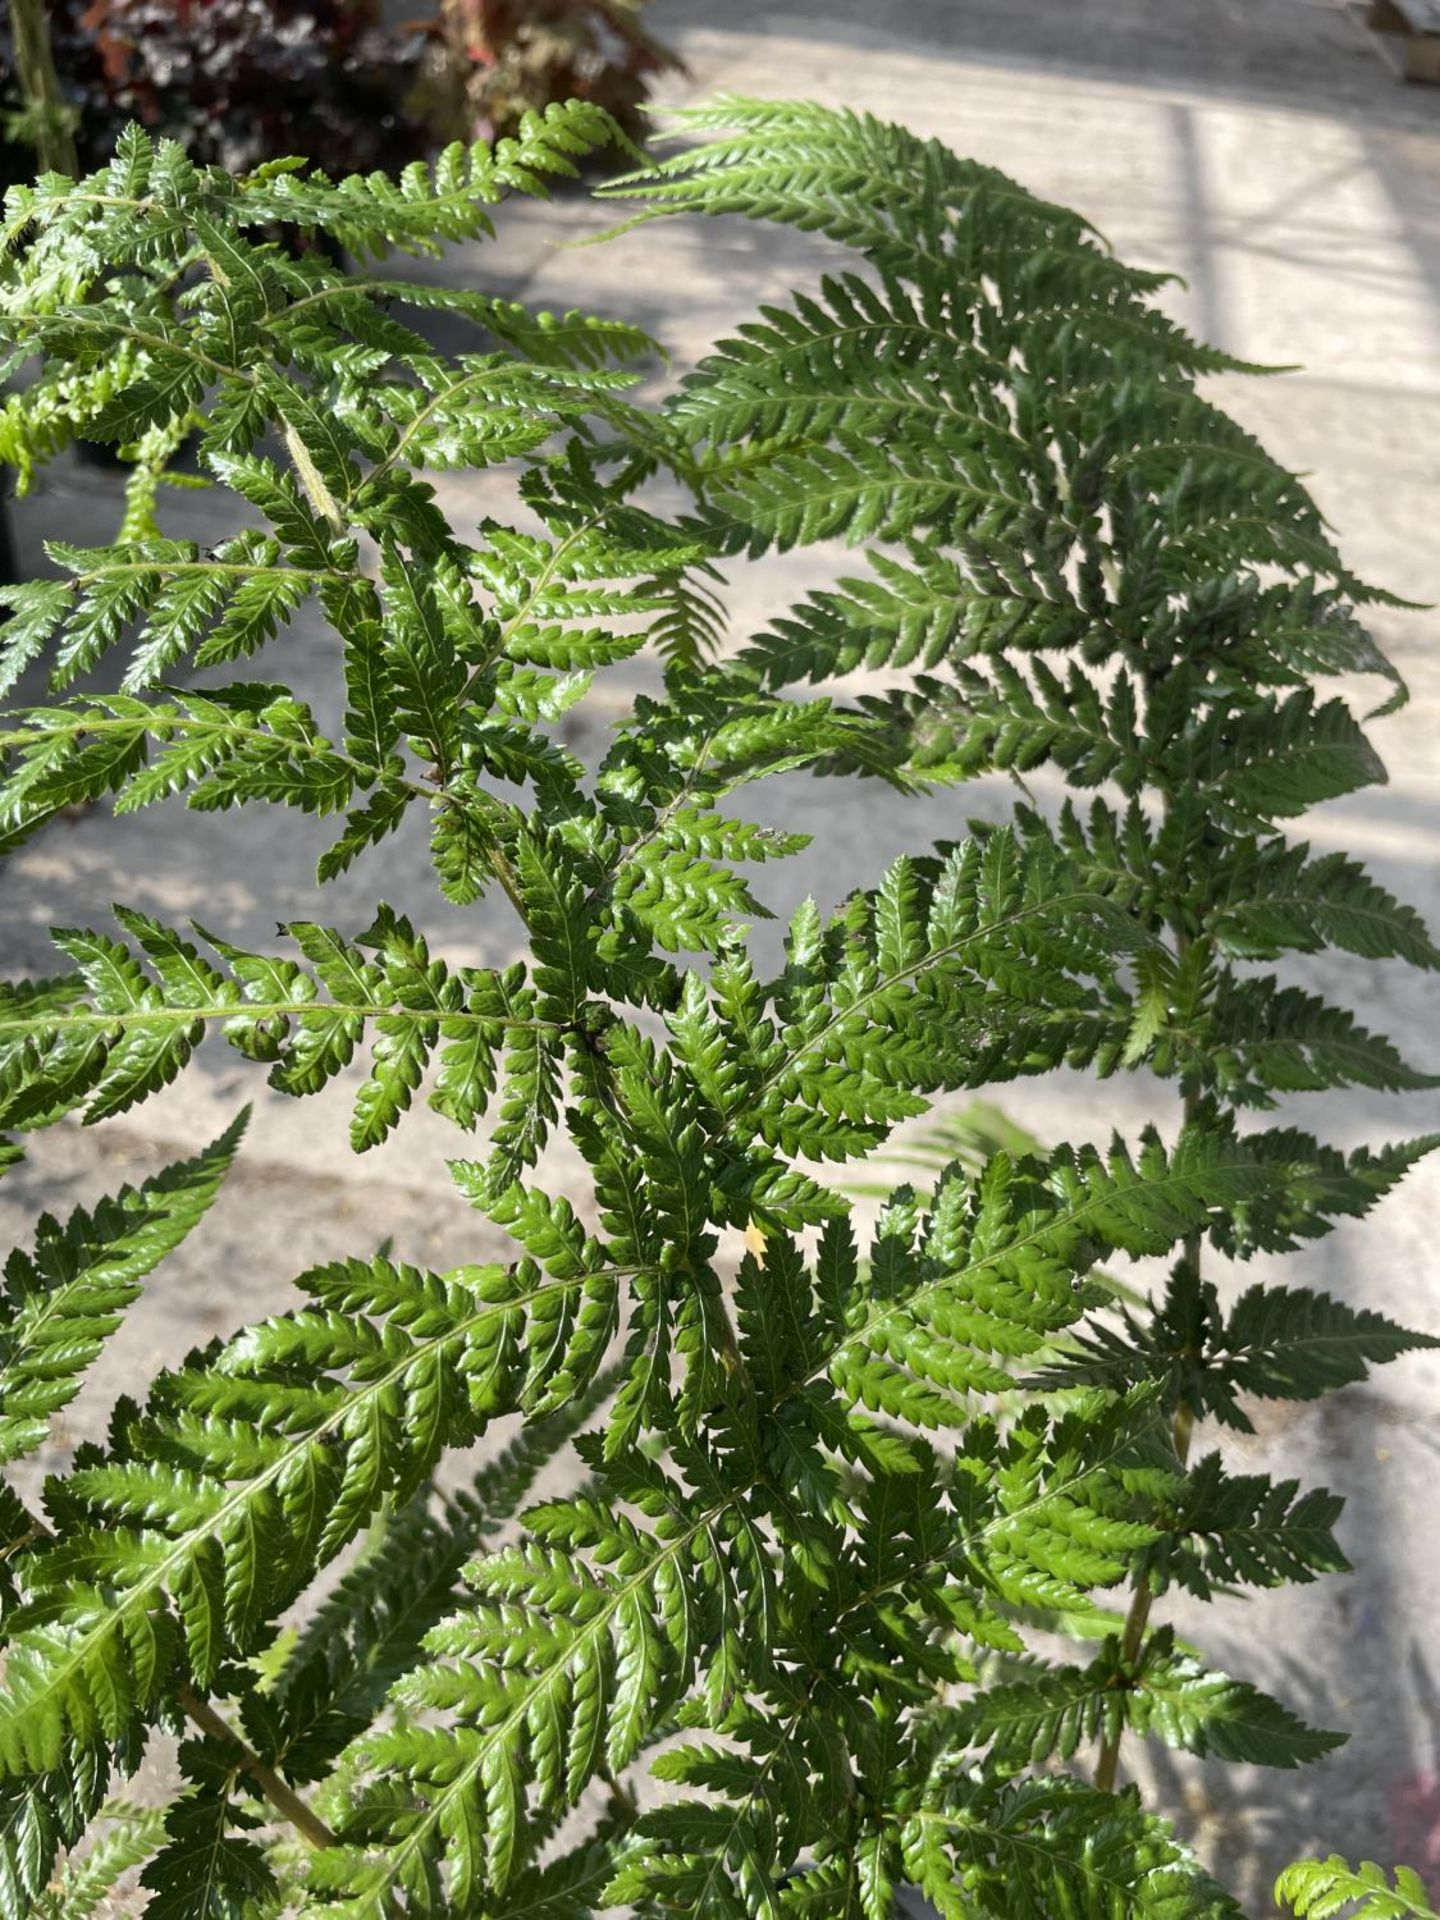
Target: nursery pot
(97, 453)
(9, 565)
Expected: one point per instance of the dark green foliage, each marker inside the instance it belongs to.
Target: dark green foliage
(1048, 1845)
(1275, 1343)
(235, 85)
(829, 1485)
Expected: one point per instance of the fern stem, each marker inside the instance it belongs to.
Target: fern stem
(1138, 1618)
(623, 1804)
(284, 1799)
(50, 121)
(148, 1018)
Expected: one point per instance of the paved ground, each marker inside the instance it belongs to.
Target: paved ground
(1264, 151)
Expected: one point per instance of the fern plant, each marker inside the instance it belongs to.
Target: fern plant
(781, 1648)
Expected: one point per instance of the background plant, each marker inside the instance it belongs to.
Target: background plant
(501, 59)
(41, 118)
(817, 1627)
(237, 82)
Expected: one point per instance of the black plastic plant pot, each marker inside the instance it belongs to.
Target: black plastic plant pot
(9, 564)
(98, 453)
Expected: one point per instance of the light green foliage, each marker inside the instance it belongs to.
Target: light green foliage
(130, 1835)
(62, 1302)
(808, 1494)
(1332, 1890)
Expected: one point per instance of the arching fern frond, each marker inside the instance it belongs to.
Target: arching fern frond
(1281, 1343)
(61, 1302)
(131, 1019)
(1015, 1848)
(1054, 1712)
(1333, 1890)
(131, 1835)
(209, 1511)
(1246, 1530)
(369, 1631)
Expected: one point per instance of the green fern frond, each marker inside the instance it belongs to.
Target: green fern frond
(123, 1028)
(712, 1854)
(1314, 1186)
(932, 607)
(370, 1630)
(1333, 1890)
(428, 206)
(49, 1812)
(1293, 1344)
(132, 1834)
(872, 186)
(563, 1668)
(1000, 1259)
(63, 1301)
(1278, 1343)
(1016, 1849)
(1275, 898)
(207, 1518)
(568, 1887)
(1262, 1039)
(1050, 1714)
(1246, 1530)
(1178, 1700)
(209, 1866)
(587, 1633)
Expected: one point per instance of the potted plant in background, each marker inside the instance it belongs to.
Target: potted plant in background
(503, 58)
(41, 121)
(238, 82)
